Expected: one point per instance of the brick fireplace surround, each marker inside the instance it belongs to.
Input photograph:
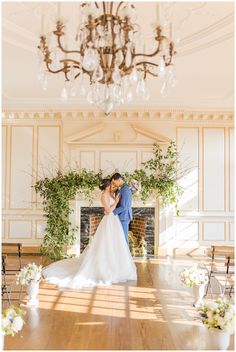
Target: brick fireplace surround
(137, 226)
(86, 218)
(142, 224)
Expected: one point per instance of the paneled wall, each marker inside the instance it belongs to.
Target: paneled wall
(37, 147)
(207, 203)
(29, 151)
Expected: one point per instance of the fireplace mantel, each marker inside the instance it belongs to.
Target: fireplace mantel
(79, 203)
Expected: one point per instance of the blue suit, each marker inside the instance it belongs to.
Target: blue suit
(124, 209)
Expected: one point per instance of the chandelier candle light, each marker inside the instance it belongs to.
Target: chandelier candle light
(107, 53)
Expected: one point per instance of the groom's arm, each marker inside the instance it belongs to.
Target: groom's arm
(125, 202)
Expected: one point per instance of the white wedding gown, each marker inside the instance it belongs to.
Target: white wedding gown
(106, 260)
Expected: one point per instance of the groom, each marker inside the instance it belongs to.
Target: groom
(124, 207)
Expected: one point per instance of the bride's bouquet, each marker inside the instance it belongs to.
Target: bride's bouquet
(218, 315)
(194, 276)
(12, 320)
(28, 274)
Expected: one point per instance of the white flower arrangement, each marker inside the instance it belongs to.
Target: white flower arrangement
(218, 315)
(12, 320)
(194, 276)
(28, 274)
(135, 186)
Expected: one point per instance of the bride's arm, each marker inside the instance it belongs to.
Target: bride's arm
(106, 204)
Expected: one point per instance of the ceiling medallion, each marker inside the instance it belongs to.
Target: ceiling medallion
(108, 53)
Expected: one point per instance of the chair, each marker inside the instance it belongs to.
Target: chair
(5, 288)
(222, 259)
(14, 249)
(229, 282)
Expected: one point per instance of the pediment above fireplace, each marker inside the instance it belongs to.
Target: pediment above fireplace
(105, 134)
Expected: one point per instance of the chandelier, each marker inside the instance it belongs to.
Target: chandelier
(108, 54)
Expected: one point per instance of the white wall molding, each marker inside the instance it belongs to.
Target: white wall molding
(85, 139)
(177, 115)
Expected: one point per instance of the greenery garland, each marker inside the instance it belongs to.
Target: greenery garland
(158, 177)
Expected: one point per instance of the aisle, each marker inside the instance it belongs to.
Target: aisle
(155, 314)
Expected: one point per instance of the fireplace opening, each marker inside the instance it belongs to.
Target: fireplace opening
(141, 229)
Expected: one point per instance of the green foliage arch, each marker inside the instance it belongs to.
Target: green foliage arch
(158, 178)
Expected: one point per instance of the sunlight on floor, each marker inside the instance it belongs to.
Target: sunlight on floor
(114, 301)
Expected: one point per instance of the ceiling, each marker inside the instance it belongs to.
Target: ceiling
(204, 63)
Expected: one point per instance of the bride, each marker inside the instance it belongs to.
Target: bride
(105, 261)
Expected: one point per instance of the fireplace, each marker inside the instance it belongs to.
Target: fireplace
(145, 216)
(142, 227)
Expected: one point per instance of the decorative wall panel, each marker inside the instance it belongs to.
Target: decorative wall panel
(48, 150)
(231, 231)
(214, 231)
(214, 169)
(231, 169)
(21, 167)
(19, 229)
(87, 160)
(187, 231)
(120, 160)
(40, 226)
(187, 139)
(4, 166)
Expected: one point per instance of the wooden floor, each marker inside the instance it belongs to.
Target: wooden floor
(156, 313)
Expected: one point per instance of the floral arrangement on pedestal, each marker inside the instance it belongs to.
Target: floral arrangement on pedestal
(218, 314)
(219, 317)
(194, 276)
(28, 274)
(158, 178)
(12, 320)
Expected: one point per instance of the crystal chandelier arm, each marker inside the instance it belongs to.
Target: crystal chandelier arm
(147, 70)
(71, 60)
(146, 63)
(118, 7)
(63, 50)
(104, 7)
(59, 33)
(150, 55)
(66, 77)
(54, 71)
(46, 53)
(172, 53)
(77, 65)
(159, 38)
(111, 7)
(78, 74)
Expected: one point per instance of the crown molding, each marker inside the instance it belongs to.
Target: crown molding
(179, 115)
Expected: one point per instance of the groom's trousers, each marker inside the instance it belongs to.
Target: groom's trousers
(125, 225)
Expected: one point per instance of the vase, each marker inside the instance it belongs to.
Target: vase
(219, 339)
(2, 343)
(32, 291)
(198, 294)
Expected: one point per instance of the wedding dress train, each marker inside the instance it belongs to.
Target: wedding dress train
(106, 260)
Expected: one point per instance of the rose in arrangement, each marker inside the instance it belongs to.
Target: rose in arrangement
(218, 315)
(194, 276)
(12, 320)
(29, 273)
